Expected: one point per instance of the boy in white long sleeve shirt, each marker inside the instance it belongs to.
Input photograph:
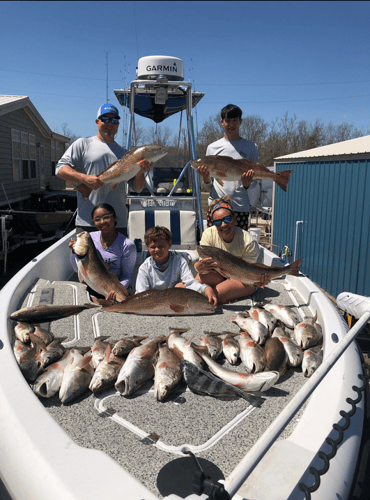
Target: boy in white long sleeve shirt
(165, 269)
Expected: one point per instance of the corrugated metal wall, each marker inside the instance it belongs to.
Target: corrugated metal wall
(332, 198)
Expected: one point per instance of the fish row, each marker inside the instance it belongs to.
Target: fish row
(52, 368)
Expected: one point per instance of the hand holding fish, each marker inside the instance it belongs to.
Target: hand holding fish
(264, 280)
(204, 172)
(247, 178)
(206, 265)
(93, 182)
(211, 296)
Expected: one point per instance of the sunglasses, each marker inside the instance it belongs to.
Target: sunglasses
(107, 119)
(104, 218)
(226, 220)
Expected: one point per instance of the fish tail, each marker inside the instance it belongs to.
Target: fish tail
(282, 178)
(293, 269)
(84, 190)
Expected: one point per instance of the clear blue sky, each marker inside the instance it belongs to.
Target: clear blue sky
(310, 59)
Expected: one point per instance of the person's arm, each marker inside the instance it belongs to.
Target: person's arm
(128, 262)
(142, 280)
(67, 173)
(139, 179)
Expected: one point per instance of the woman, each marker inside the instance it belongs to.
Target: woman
(113, 247)
(225, 235)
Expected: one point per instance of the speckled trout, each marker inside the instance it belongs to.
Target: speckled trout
(127, 167)
(225, 168)
(92, 270)
(236, 268)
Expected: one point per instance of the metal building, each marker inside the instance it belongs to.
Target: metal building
(324, 216)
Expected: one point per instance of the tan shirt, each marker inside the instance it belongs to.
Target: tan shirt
(243, 245)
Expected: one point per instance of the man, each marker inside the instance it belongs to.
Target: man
(235, 146)
(86, 158)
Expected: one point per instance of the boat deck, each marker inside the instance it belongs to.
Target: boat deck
(219, 432)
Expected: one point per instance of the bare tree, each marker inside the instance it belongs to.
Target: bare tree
(159, 135)
(68, 133)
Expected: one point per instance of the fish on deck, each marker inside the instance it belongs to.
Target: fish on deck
(167, 302)
(46, 313)
(226, 168)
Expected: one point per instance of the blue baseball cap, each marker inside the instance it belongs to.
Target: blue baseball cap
(107, 108)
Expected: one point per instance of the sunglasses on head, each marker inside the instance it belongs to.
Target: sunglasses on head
(107, 119)
(226, 219)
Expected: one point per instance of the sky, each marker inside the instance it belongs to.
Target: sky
(308, 59)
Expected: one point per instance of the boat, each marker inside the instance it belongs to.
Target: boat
(304, 441)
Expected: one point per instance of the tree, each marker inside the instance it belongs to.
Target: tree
(68, 133)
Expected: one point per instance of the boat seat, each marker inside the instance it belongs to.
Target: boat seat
(181, 223)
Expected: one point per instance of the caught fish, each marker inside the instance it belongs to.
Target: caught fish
(167, 302)
(206, 384)
(45, 313)
(127, 167)
(230, 266)
(256, 330)
(312, 359)
(213, 344)
(52, 352)
(76, 377)
(124, 346)
(226, 168)
(251, 354)
(138, 367)
(98, 350)
(106, 372)
(93, 272)
(167, 372)
(264, 317)
(30, 362)
(48, 383)
(46, 336)
(283, 313)
(276, 357)
(22, 332)
(20, 348)
(294, 351)
(230, 348)
(182, 347)
(306, 335)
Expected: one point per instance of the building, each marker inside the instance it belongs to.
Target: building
(29, 152)
(324, 216)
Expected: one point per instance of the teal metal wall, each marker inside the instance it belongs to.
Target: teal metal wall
(332, 198)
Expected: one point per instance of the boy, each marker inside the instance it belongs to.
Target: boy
(235, 146)
(165, 269)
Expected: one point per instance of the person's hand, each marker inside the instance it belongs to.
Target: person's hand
(93, 182)
(265, 280)
(204, 172)
(112, 296)
(206, 265)
(145, 165)
(211, 296)
(70, 244)
(247, 178)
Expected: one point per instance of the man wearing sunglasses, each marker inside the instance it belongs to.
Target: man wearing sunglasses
(88, 157)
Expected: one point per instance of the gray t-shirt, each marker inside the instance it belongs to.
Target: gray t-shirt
(235, 189)
(91, 156)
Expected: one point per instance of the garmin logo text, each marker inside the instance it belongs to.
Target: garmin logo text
(161, 67)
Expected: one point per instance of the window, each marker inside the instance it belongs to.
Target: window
(16, 154)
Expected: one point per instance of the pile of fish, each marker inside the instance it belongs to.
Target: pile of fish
(273, 338)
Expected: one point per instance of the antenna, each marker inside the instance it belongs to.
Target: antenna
(107, 75)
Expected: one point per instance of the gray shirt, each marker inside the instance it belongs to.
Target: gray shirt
(91, 156)
(235, 189)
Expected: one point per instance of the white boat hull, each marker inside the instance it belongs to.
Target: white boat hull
(39, 460)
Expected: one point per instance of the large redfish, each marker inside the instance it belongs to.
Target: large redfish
(225, 168)
(236, 268)
(127, 167)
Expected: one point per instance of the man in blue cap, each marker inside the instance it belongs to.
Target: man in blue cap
(86, 158)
